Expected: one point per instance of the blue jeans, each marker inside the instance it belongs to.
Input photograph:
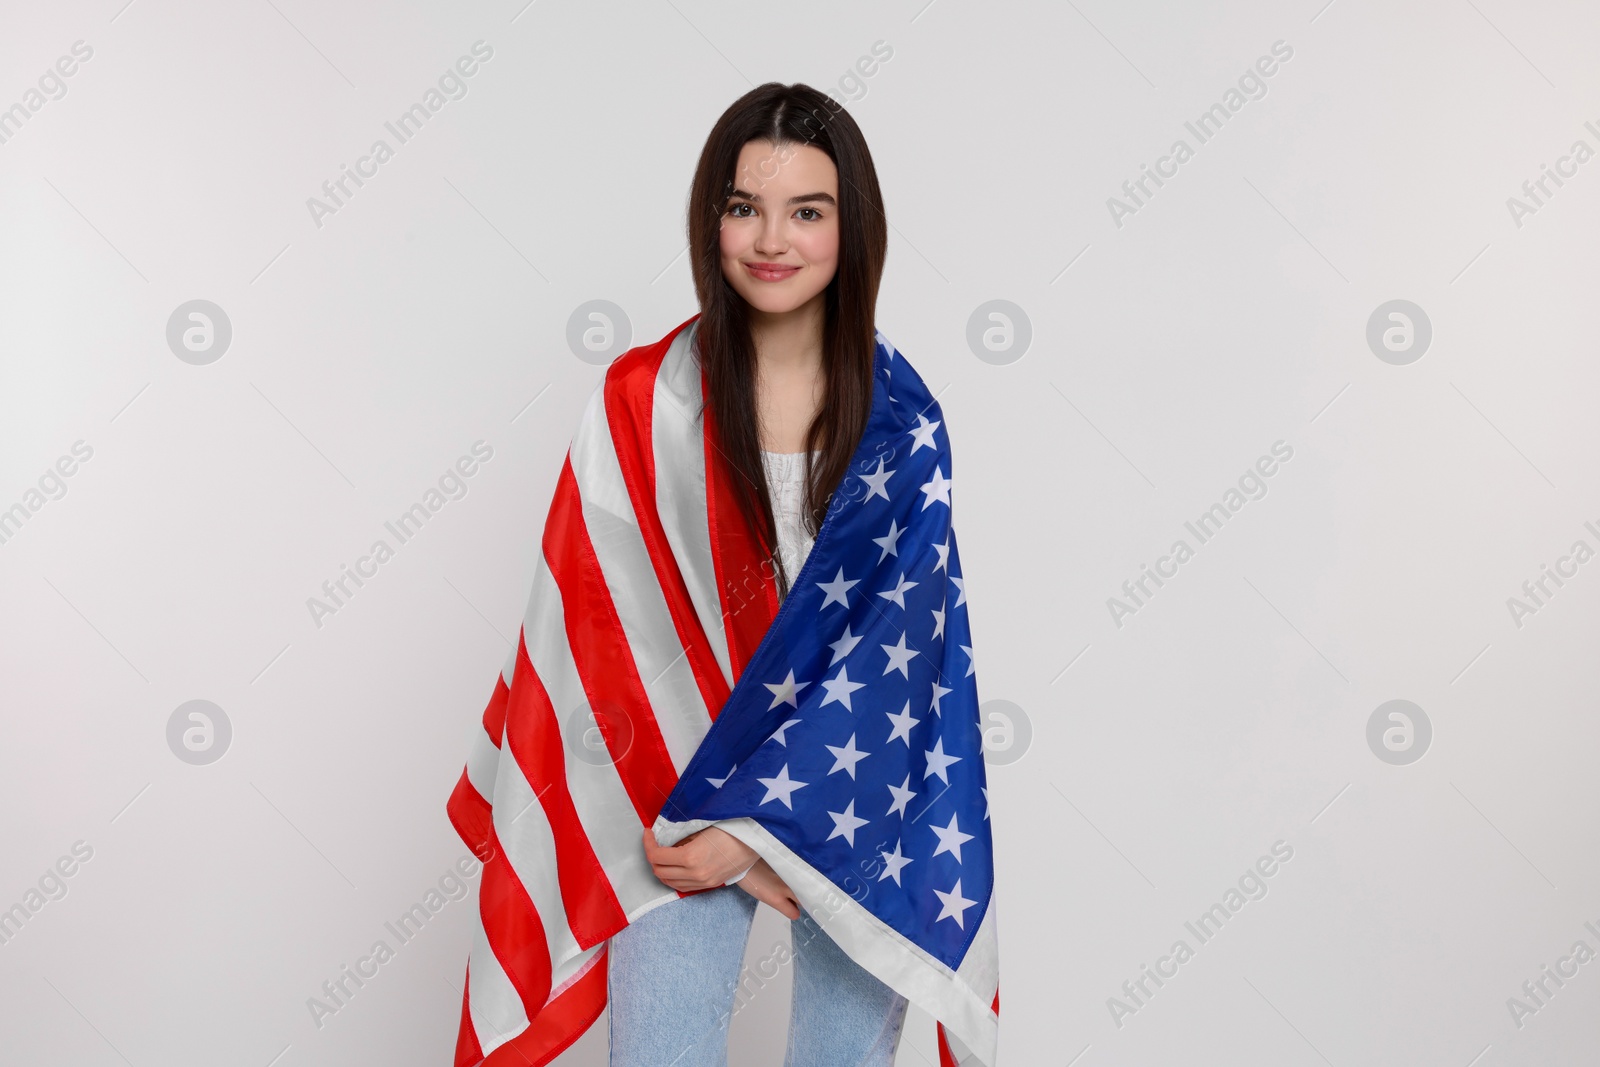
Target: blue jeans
(675, 981)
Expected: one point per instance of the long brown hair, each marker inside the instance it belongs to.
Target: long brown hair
(788, 115)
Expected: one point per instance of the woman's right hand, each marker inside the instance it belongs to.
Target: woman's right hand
(764, 884)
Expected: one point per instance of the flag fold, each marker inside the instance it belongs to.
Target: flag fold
(658, 681)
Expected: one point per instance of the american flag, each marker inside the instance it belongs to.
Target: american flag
(657, 681)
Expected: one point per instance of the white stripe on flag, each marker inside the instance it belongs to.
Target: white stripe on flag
(573, 969)
(607, 814)
(679, 708)
(483, 749)
(483, 761)
(680, 462)
(530, 846)
(980, 967)
(507, 671)
(492, 1001)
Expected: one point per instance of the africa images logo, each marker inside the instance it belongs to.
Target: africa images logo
(452, 85)
(1252, 85)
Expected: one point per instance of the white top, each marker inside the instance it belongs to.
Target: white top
(786, 473)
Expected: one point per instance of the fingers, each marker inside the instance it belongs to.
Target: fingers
(707, 857)
(788, 907)
(676, 878)
(724, 855)
(659, 855)
(652, 849)
(704, 859)
(697, 862)
(764, 884)
(681, 866)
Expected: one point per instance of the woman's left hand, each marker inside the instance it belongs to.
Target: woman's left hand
(704, 860)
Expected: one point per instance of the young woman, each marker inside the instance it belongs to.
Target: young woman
(787, 258)
(747, 634)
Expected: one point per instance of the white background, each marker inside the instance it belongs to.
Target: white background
(1167, 754)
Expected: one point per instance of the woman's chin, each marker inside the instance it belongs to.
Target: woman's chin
(775, 298)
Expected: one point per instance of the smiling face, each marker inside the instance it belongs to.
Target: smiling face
(780, 229)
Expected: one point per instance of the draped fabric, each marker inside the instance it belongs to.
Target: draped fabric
(658, 682)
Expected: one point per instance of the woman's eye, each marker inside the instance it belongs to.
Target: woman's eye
(734, 210)
(814, 212)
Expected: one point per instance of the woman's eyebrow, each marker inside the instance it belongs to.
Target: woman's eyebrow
(803, 198)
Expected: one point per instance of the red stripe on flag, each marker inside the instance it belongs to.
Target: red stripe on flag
(494, 716)
(470, 811)
(468, 1052)
(604, 659)
(471, 815)
(946, 1057)
(534, 736)
(630, 412)
(514, 929)
(563, 1021)
(745, 580)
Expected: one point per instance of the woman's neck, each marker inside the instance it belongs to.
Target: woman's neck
(789, 374)
(789, 342)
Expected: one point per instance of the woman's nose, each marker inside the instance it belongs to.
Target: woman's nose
(773, 238)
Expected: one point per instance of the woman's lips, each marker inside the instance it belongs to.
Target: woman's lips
(770, 272)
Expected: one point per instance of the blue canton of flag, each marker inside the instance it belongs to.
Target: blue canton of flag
(853, 735)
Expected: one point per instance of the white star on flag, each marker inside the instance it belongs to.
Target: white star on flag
(937, 762)
(892, 862)
(839, 688)
(844, 646)
(876, 480)
(898, 593)
(944, 555)
(902, 796)
(971, 662)
(845, 824)
(718, 781)
(783, 692)
(903, 723)
(937, 489)
(781, 787)
(922, 434)
(961, 591)
(888, 541)
(950, 838)
(955, 905)
(938, 621)
(777, 735)
(938, 691)
(845, 757)
(899, 657)
(836, 590)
